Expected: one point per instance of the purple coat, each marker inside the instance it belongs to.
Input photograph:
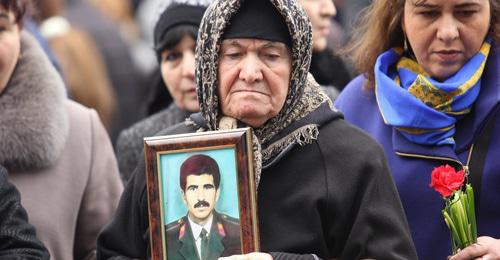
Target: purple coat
(411, 164)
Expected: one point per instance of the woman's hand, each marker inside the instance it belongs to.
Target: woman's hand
(486, 248)
(251, 256)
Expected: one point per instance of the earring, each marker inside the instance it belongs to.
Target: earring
(405, 42)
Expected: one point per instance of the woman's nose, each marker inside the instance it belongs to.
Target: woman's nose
(328, 9)
(251, 69)
(447, 29)
(188, 64)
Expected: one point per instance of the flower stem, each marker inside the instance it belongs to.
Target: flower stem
(471, 211)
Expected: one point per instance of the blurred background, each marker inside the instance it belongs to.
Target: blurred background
(103, 50)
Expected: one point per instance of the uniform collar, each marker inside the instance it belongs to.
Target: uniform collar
(196, 229)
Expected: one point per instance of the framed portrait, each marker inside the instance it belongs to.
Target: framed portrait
(201, 195)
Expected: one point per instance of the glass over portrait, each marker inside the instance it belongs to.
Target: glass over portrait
(201, 195)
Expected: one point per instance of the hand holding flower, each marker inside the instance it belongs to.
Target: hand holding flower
(485, 248)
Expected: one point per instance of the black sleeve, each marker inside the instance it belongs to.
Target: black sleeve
(289, 256)
(126, 236)
(17, 237)
(368, 202)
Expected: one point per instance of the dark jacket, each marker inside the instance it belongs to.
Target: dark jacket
(329, 70)
(333, 198)
(411, 164)
(224, 239)
(17, 237)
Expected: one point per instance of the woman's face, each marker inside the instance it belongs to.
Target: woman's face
(320, 12)
(177, 70)
(445, 34)
(10, 46)
(253, 79)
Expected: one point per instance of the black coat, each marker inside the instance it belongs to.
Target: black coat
(334, 198)
(224, 239)
(17, 237)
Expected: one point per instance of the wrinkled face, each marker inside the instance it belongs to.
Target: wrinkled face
(445, 34)
(10, 46)
(253, 79)
(177, 70)
(320, 13)
(200, 197)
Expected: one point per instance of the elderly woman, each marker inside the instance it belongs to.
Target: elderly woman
(429, 94)
(175, 37)
(57, 152)
(323, 186)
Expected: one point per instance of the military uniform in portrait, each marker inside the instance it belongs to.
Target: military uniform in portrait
(223, 239)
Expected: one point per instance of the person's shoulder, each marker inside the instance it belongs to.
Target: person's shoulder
(77, 110)
(175, 225)
(84, 122)
(343, 137)
(143, 128)
(176, 229)
(357, 103)
(228, 219)
(227, 225)
(353, 93)
(180, 128)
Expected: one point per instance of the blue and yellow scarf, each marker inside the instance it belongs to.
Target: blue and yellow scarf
(422, 109)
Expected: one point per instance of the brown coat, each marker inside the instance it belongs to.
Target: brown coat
(59, 157)
(72, 200)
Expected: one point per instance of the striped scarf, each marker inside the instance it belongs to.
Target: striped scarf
(422, 109)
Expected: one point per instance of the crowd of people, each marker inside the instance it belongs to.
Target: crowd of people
(349, 117)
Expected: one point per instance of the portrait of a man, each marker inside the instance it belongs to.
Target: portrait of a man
(203, 233)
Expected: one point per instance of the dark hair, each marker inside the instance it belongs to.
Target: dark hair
(379, 29)
(18, 7)
(185, 16)
(197, 165)
(174, 36)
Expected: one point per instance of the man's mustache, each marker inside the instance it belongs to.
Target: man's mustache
(201, 203)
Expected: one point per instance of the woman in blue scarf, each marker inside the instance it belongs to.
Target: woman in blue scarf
(430, 95)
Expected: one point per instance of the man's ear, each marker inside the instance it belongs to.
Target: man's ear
(183, 195)
(217, 193)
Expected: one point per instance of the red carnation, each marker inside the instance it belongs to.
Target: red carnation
(445, 180)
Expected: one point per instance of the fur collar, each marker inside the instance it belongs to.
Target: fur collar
(33, 118)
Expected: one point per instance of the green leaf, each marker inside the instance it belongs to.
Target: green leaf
(458, 220)
(453, 230)
(471, 211)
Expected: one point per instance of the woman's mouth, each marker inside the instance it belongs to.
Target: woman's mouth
(448, 55)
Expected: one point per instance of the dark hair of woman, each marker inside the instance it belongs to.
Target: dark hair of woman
(18, 7)
(174, 36)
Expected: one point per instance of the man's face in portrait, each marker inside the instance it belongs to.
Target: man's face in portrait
(200, 197)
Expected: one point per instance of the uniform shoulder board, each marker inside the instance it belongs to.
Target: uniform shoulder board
(230, 219)
(175, 224)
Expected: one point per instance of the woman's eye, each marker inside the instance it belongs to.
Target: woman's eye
(233, 55)
(466, 13)
(272, 56)
(172, 57)
(4, 27)
(429, 14)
